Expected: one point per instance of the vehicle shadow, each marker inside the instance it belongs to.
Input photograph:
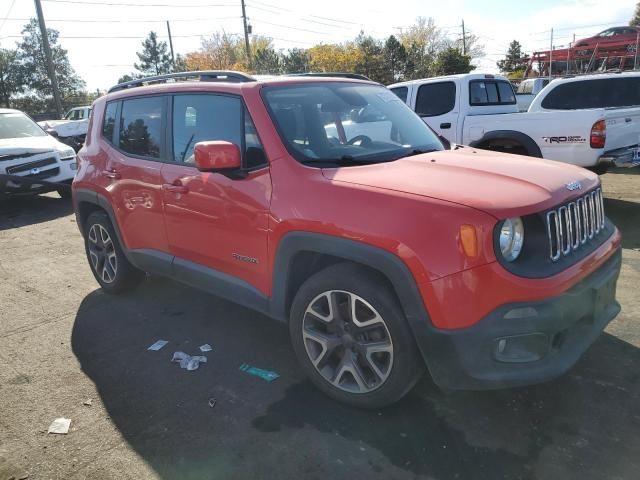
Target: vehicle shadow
(583, 425)
(22, 211)
(626, 216)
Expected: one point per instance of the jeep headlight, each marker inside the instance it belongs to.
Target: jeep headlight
(511, 238)
(69, 154)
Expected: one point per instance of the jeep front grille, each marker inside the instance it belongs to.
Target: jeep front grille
(570, 226)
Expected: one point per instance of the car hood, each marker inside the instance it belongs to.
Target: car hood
(33, 145)
(500, 184)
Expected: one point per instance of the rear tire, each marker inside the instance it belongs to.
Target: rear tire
(109, 265)
(352, 339)
(65, 193)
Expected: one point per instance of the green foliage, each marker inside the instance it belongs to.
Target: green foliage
(395, 59)
(32, 66)
(370, 61)
(154, 57)
(267, 61)
(296, 60)
(513, 59)
(635, 21)
(10, 78)
(452, 61)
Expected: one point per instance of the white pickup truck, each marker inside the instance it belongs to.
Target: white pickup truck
(72, 129)
(527, 91)
(480, 110)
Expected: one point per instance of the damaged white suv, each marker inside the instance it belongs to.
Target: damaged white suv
(31, 161)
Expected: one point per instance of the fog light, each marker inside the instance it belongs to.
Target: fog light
(530, 347)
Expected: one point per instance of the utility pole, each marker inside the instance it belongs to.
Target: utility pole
(49, 59)
(464, 39)
(551, 56)
(635, 56)
(246, 34)
(173, 59)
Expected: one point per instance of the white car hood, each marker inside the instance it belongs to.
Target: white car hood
(45, 143)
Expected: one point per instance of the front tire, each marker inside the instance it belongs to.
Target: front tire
(109, 266)
(352, 339)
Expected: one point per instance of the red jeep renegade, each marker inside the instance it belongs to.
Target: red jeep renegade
(328, 204)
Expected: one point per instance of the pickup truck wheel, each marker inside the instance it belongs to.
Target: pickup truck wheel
(108, 263)
(352, 339)
(65, 193)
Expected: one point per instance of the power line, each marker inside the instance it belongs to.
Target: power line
(120, 4)
(8, 13)
(62, 20)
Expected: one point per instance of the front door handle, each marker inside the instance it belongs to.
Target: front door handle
(445, 125)
(111, 174)
(175, 188)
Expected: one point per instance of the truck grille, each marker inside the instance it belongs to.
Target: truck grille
(27, 167)
(570, 226)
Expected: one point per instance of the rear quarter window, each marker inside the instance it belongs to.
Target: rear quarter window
(401, 92)
(491, 92)
(109, 122)
(596, 93)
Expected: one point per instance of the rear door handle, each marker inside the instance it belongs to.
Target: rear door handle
(175, 188)
(445, 125)
(111, 174)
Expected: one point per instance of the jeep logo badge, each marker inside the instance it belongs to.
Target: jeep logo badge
(571, 186)
(35, 171)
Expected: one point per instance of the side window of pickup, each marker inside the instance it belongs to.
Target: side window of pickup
(491, 92)
(435, 99)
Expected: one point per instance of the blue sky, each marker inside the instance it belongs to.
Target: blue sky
(100, 61)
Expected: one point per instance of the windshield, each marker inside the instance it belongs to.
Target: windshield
(347, 123)
(18, 125)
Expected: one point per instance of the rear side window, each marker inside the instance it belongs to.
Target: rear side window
(401, 92)
(141, 126)
(491, 92)
(597, 93)
(435, 99)
(109, 123)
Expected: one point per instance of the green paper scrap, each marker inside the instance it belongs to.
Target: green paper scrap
(258, 372)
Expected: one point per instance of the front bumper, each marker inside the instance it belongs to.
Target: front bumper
(525, 343)
(622, 157)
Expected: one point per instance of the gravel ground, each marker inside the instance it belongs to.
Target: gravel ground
(63, 342)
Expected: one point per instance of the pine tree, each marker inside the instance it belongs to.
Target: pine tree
(513, 59)
(154, 57)
(635, 21)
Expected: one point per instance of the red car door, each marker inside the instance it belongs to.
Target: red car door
(212, 220)
(134, 169)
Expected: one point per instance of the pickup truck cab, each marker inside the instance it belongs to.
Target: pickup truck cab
(481, 110)
(381, 251)
(527, 91)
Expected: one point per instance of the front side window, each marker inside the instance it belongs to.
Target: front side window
(141, 126)
(436, 99)
(342, 123)
(209, 117)
(18, 125)
(491, 92)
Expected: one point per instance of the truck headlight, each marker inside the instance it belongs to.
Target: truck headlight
(69, 154)
(511, 238)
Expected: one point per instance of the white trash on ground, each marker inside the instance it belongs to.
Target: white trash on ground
(60, 425)
(188, 362)
(205, 348)
(158, 345)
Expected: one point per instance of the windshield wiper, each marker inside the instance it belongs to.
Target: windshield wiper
(416, 151)
(342, 160)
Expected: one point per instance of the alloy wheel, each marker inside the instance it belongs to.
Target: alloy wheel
(347, 341)
(102, 253)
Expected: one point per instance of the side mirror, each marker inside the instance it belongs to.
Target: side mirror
(217, 156)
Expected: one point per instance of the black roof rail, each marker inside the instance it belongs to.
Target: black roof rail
(200, 75)
(355, 76)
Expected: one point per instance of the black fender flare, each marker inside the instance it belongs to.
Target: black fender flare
(385, 262)
(99, 200)
(533, 150)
